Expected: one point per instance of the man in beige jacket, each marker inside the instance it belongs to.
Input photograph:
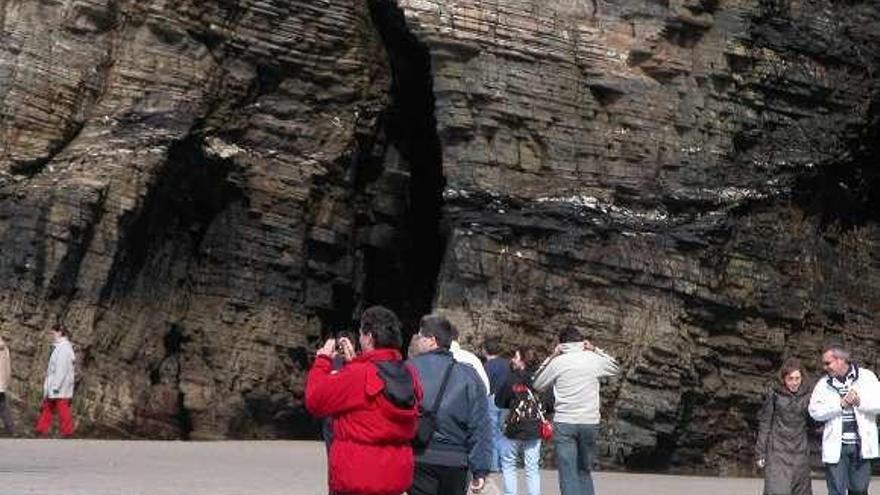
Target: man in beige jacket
(5, 376)
(574, 371)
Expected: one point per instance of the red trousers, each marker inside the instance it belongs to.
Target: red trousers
(47, 411)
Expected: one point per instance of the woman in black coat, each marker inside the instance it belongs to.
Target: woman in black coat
(524, 409)
(783, 449)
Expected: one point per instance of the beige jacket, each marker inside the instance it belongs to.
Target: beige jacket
(5, 368)
(574, 376)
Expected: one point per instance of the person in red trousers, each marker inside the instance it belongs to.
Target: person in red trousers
(58, 387)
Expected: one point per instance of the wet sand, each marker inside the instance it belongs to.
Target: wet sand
(93, 467)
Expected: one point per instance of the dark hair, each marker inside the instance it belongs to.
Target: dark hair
(530, 357)
(493, 346)
(438, 327)
(570, 333)
(61, 329)
(791, 365)
(383, 325)
(453, 331)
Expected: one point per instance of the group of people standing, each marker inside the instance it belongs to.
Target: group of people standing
(843, 404)
(57, 387)
(439, 422)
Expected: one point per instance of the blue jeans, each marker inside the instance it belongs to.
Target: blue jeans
(575, 446)
(496, 422)
(851, 472)
(531, 450)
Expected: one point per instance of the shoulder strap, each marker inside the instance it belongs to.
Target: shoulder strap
(442, 387)
(538, 404)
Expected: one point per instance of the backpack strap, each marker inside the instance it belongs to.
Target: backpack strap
(439, 397)
(537, 403)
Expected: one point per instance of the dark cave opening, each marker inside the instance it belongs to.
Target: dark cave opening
(402, 272)
(190, 191)
(848, 193)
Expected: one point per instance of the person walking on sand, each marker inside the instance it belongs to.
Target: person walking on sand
(5, 377)
(58, 387)
(573, 371)
(847, 400)
(460, 444)
(524, 410)
(783, 448)
(374, 402)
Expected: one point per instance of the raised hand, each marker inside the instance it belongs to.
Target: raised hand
(328, 349)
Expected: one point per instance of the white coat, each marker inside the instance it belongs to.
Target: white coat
(5, 368)
(59, 374)
(825, 407)
(470, 359)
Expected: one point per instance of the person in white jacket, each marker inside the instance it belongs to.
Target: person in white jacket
(58, 387)
(5, 377)
(847, 400)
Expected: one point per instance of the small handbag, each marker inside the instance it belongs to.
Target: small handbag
(545, 426)
(545, 429)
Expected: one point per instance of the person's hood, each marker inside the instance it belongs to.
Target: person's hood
(781, 389)
(571, 347)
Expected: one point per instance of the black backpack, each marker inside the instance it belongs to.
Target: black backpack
(525, 412)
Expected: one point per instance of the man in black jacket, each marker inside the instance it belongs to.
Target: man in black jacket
(462, 440)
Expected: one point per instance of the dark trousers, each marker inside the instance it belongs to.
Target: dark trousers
(5, 416)
(850, 473)
(431, 479)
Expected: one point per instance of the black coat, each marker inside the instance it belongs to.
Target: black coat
(783, 442)
(510, 394)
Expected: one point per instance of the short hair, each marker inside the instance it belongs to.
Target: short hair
(789, 366)
(437, 326)
(493, 346)
(61, 329)
(837, 350)
(570, 333)
(383, 325)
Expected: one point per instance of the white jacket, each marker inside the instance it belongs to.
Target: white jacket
(470, 359)
(825, 407)
(59, 374)
(5, 368)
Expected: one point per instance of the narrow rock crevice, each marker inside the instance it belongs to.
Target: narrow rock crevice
(30, 168)
(169, 370)
(64, 280)
(405, 276)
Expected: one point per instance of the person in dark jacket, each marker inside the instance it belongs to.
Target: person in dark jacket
(374, 401)
(520, 430)
(462, 440)
(782, 449)
(498, 370)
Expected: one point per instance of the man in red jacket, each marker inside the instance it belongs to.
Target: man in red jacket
(374, 402)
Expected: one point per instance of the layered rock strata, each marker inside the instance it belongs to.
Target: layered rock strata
(202, 190)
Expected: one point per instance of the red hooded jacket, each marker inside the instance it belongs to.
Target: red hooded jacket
(370, 453)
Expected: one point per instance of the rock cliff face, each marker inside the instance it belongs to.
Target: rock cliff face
(201, 190)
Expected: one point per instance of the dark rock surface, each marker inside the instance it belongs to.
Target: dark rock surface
(201, 190)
